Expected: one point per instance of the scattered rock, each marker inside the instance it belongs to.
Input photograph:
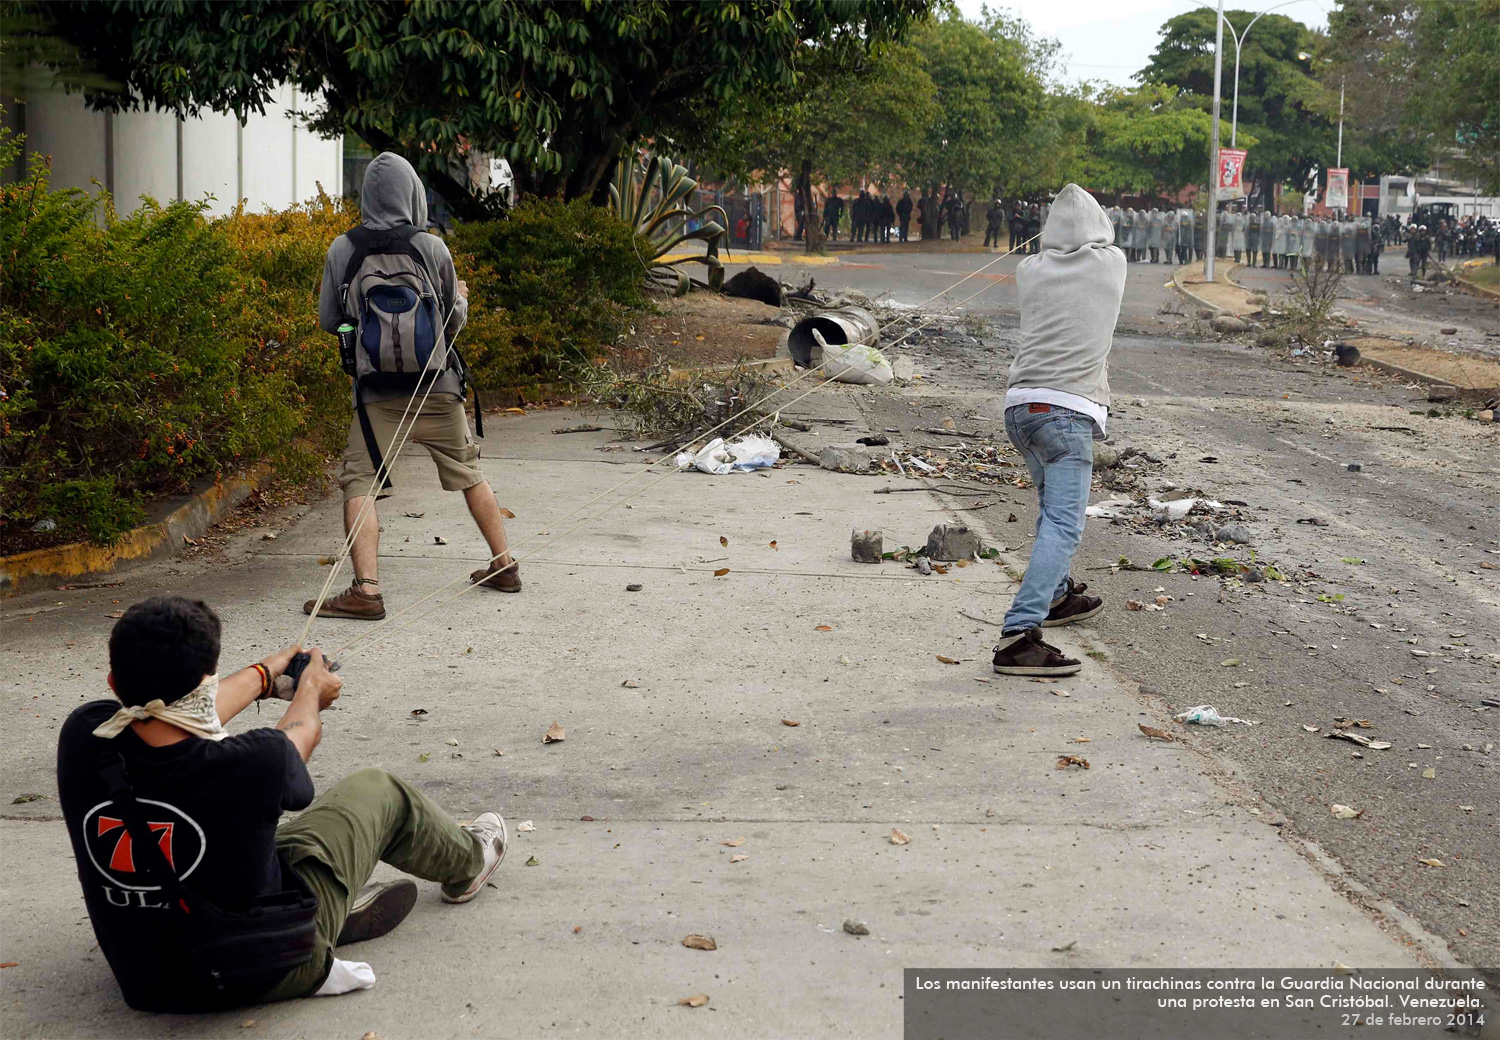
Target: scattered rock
(1353, 467)
(1105, 457)
(867, 546)
(952, 542)
(1229, 323)
(634, 588)
(845, 459)
(1347, 355)
(1238, 534)
(1207, 313)
(1441, 392)
(923, 567)
(1486, 416)
(1449, 332)
(854, 927)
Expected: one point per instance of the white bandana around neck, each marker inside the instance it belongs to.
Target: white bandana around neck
(197, 712)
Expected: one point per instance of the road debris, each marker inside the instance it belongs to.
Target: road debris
(1064, 761)
(854, 927)
(699, 942)
(1154, 733)
(1208, 715)
(867, 546)
(1358, 738)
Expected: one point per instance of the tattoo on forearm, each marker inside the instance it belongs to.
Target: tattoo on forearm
(292, 725)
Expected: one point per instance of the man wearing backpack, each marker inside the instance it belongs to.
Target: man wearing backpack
(396, 286)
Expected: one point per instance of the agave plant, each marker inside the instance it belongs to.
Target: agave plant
(656, 206)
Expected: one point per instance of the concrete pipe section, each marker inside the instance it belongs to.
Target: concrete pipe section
(842, 327)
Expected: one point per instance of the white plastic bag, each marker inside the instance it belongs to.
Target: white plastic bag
(857, 363)
(1208, 715)
(717, 458)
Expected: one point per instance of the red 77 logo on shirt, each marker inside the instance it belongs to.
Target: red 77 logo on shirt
(123, 858)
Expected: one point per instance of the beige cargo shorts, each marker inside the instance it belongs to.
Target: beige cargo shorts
(442, 427)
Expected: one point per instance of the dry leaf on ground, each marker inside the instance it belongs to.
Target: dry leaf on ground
(1064, 761)
(696, 1000)
(507, 513)
(721, 572)
(733, 843)
(1134, 604)
(899, 837)
(1431, 862)
(1152, 731)
(945, 660)
(823, 628)
(738, 858)
(723, 541)
(790, 722)
(631, 684)
(554, 733)
(699, 942)
(773, 545)
(526, 826)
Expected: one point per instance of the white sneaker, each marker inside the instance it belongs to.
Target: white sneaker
(489, 828)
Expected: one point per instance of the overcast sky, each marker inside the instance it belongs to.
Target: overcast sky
(1110, 39)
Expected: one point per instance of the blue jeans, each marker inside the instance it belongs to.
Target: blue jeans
(1058, 446)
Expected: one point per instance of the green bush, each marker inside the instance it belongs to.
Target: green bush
(127, 364)
(552, 283)
(140, 355)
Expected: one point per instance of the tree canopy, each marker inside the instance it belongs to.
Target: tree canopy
(1422, 77)
(1281, 103)
(557, 89)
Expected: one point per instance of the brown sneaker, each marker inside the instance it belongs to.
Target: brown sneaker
(506, 577)
(1074, 606)
(1024, 653)
(351, 603)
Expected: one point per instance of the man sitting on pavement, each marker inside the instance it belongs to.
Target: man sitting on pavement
(1056, 406)
(171, 817)
(392, 200)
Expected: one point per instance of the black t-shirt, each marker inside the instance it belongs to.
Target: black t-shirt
(214, 806)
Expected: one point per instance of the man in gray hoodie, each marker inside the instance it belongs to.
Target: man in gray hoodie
(392, 197)
(1056, 406)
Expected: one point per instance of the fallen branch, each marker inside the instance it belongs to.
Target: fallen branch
(987, 621)
(789, 446)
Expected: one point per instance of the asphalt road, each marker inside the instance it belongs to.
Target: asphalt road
(1403, 561)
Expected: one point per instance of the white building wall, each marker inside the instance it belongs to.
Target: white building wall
(60, 126)
(270, 162)
(268, 185)
(145, 145)
(210, 161)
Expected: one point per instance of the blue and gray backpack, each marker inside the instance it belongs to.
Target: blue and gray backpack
(400, 329)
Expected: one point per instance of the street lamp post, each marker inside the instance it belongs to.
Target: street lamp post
(1212, 213)
(1239, 40)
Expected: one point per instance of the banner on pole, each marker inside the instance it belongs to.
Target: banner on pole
(1231, 171)
(1337, 196)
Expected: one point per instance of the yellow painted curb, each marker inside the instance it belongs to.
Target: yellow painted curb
(39, 567)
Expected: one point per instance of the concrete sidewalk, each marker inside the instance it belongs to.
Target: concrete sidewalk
(1145, 859)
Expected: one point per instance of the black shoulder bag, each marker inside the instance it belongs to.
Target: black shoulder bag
(238, 956)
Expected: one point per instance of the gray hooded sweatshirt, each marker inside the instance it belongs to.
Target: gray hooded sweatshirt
(1070, 300)
(392, 196)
